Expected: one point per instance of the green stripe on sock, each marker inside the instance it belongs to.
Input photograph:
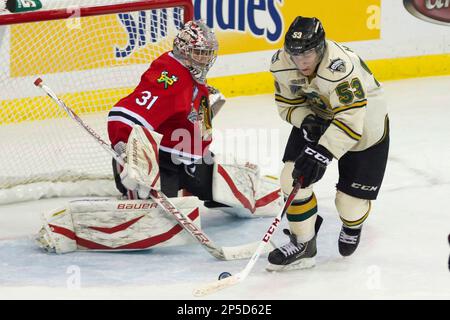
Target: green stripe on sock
(303, 216)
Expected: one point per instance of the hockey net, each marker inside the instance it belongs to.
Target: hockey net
(92, 54)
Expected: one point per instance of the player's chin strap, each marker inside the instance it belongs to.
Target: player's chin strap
(222, 253)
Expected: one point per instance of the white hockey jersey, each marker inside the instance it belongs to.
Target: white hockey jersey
(342, 90)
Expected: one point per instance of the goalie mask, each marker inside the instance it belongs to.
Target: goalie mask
(196, 47)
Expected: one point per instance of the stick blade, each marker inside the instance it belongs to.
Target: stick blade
(245, 251)
(215, 286)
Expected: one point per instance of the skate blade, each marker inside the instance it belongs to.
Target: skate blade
(305, 263)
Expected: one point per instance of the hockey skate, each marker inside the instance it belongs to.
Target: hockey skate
(294, 255)
(349, 240)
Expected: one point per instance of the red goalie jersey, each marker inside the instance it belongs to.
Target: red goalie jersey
(169, 101)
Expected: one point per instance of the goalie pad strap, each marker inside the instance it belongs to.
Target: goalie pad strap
(63, 231)
(267, 199)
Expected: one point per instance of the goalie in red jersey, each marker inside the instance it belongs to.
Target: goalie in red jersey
(174, 100)
(163, 130)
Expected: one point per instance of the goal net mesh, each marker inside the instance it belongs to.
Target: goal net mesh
(91, 62)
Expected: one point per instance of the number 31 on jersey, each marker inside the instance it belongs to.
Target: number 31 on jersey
(146, 96)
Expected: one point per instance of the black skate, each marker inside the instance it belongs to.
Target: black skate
(294, 255)
(349, 240)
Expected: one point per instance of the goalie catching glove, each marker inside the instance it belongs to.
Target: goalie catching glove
(216, 100)
(141, 170)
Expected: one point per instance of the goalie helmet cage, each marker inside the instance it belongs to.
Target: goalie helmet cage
(92, 53)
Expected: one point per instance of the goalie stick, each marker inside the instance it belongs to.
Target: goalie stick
(222, 253)
(240, 276)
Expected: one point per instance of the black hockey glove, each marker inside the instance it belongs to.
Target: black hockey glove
(310, 166)
(313, 127)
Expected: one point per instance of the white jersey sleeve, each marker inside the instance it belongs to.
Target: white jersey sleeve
(291, 104)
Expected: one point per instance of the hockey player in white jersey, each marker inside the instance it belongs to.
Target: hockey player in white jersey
(337, 110)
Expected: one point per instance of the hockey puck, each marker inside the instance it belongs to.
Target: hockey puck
(224, 275)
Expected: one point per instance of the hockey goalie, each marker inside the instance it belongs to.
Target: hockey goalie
(162, 131)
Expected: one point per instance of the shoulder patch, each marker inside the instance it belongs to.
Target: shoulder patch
(166, 79)
(276, 57)
(337, 65)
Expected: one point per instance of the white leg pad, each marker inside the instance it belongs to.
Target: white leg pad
(112, 225)
(239, 185)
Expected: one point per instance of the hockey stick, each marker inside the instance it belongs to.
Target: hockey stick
(222, 253)
(240, 276)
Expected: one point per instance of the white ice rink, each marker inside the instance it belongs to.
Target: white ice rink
(403, 253)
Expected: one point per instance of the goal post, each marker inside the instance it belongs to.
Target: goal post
(69, 9)
(92, 55)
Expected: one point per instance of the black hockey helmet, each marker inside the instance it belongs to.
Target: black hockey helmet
(304, 34)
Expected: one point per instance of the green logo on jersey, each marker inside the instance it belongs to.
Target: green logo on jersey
(168, 81)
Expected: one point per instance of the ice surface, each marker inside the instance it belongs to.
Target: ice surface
(403, 252)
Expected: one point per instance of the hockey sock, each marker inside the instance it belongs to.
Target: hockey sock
(301, 215)
(355, 224)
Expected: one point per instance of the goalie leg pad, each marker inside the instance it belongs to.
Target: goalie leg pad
(57, 233)
(239, 186)
(111, 225)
